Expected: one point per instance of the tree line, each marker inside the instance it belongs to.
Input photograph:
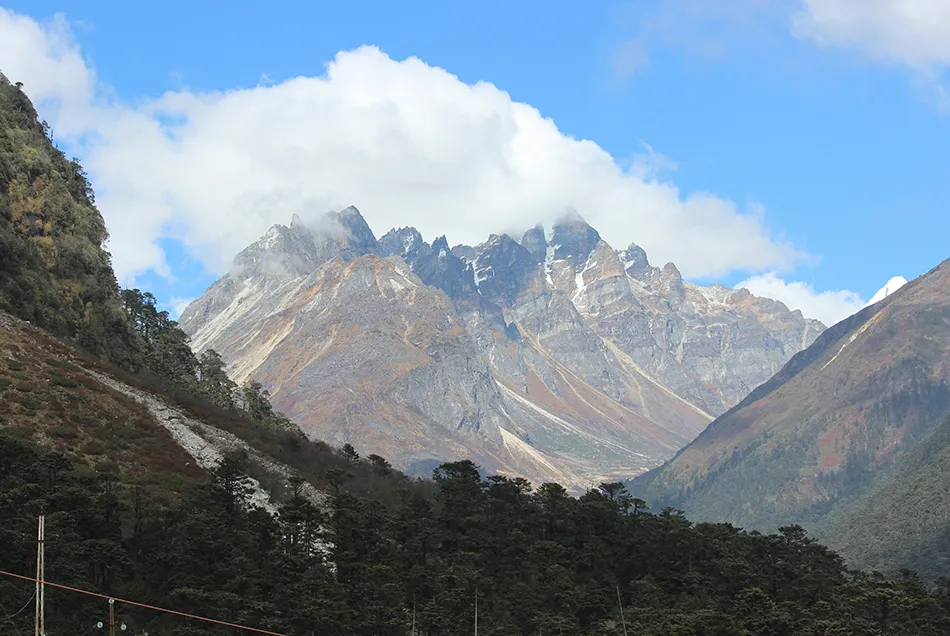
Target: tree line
(536, 561)
(162, 348)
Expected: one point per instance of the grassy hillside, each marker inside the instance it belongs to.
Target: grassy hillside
(51, 398)
(48, 400)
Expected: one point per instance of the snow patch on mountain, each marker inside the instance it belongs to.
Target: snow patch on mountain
(892, 286)
(548, 262)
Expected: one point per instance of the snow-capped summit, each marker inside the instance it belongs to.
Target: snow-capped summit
(892, 286)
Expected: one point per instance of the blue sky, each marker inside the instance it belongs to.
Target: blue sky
(841, 140)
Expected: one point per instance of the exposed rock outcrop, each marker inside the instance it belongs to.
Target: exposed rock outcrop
(559, 360)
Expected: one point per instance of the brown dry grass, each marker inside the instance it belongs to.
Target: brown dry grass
(48, 400)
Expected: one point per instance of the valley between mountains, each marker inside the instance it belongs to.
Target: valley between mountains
(550, 356)
(251, 469)
(850, 439)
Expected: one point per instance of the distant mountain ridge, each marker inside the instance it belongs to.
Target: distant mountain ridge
(557, 359)
(834, 436)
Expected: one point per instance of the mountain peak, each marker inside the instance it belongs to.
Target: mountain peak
(359, 236)
(466, 253)
(671, 283)
(533, 240)
(635, 260)
(440, 244)
(502, 267)
(573, 238)
(402, 241)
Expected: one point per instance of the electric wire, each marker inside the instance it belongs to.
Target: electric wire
(12, 622)
(142, 605)
(10, 617)
(32, 596)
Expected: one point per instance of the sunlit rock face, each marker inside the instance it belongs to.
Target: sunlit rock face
(552, 356)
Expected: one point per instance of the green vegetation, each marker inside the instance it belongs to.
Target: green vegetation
(55, 272)
(539, 562)
(901, 521)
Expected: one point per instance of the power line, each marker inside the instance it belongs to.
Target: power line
(143, 605)
(22, 608)
(10, 617)
(12, 622)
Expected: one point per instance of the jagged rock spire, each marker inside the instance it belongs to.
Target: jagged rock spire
(534, 241)
(574, 239)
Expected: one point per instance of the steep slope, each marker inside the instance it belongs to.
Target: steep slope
(905, 523)
(49, 397)
(149, 437)
(559, 365)
(56, 398)
(54, 270)
(364, 343)
(823, 437)
(710, 345)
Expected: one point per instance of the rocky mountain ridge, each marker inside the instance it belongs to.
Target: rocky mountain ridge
(557, 359)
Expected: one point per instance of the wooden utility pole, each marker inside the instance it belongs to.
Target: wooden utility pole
(476, 611)
(39, 628)
(623, 621)
(111, 617)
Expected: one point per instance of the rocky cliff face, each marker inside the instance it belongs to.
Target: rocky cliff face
(557, 359)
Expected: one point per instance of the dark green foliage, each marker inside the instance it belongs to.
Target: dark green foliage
(350, 453)
(213, 382)
(902, 520)
(161, 346)
(53, 269)
(539, 562)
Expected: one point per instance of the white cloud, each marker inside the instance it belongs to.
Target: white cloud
(702, 29)
(650, 164)
(177, 305)
(629, 57)
(44, 57)
(828, 306)
(915, 33)
(407, 143)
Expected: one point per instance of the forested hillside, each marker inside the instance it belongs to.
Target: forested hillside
(539, 562)
(903, 523)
